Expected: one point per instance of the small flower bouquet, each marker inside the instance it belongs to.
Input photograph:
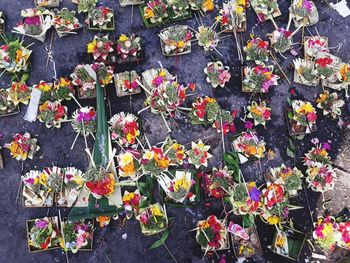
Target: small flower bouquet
(212, 234)
(101, 18)
(154, 162)
(259, 79)
(84, 121)
(224, 122)
(36, 192)
(65, 22)
(344, 73)
(86, 84)
(317, 155)
(178, 187)
(47, 3)
(85, 5)
(100, 182)
(14, 57)
(266, 9)
(43, 234)
(76, 235)
(217, 74)
(199, 154)
(290, 178)
(330, 103)
(313, 45)
(55, 177)
(128, 164)
(325, 233)
(248, 145)
(166, 95)
(100, 48)
(126, 83)
(232, 16)
(257, 50)
(204, 110)
(321, 177)
(301, 117)
(23, 146)
(281, 40)
(46, 90)
(62, 89)
(153, 219)
(36, 22)
(217, 183)
(179, 9)
(2, 22)
(124, 128)
(305, 72)
(326, 66)
(175, 40)
(129, 48)
(259, 112)
(131, 202)
(245, 199)
(304, 12)
(7, 107)
(52, 114)
(202, 5)
(275, 202)
(19, 92)
(72, 183)
(207, 38)
(154, 13)
(175, 151)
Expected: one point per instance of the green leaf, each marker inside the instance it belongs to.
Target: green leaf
(248, 220)
(290, 153)
(232, 162)
(289, 101)
(300, 137)
(290, 115)
(161, 241)
(291, 144)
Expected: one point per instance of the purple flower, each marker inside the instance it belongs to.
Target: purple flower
(29, 181)
(254, 194)
(307, 5)
(33, 21)
(326, 146)
(158, 81)
(248, 125)
(285, 212)
(41, 223)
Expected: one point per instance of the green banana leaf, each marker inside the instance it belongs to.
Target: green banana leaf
(98, 207)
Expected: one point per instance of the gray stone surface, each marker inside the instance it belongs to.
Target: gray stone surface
(109, 245)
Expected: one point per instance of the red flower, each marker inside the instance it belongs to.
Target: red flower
(266, 114)
(311, 117)
(323, 62)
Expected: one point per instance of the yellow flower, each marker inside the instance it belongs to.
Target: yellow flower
(44, 87)
(241, 2)
(156, 211)
(181, 44)
(18, 55)
(128, 197)
(205, 224)
(273, 220)
(149, 13)
(42, 179)
(239, 9)
(123, 38)
(182, 183)
(91, 46)
(208, 5)
(162, 73)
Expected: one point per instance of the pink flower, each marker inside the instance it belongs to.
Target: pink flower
(248, 125)
(311, 117)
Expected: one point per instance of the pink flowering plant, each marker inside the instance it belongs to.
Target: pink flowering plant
(259, 79)
(76, 235)
(84, 121)
(217, 74)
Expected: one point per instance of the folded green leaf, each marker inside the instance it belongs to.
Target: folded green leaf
(161, 241)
